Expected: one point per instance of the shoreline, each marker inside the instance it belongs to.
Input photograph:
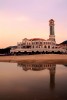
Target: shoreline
(46, 58)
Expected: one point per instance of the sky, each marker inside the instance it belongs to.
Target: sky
(30, 19)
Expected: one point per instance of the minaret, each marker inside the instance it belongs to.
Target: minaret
(52, 34)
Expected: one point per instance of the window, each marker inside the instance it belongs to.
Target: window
(44, 42)
(33, 46)
(53, 47)
(23, 46)
(45, 47)
(48, 46)
(40, 42)
(36, 42)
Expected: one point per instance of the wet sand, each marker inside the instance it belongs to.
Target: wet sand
(49, 58)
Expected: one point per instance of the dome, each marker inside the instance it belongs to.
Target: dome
(36, 39)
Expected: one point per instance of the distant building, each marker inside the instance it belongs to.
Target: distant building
(39, 44)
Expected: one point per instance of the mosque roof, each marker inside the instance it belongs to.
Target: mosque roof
(35, 39)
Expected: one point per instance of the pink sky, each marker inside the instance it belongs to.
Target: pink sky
(29, 18)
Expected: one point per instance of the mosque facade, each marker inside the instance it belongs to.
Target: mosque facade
(39, 44)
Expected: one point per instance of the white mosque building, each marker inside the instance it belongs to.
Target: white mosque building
(38, 44)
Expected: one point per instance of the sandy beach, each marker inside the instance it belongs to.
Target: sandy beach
(49, 58)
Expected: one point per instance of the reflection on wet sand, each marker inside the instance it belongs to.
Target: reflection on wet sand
(39, 67)
(33, 81)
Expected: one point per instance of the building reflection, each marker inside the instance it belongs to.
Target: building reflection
(52, 77)
(39, 67)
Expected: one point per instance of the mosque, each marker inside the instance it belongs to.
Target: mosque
(39, 45)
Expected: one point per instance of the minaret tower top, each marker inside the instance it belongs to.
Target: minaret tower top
(51, 22)
(52, 34)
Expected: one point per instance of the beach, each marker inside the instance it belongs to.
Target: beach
(49, 58)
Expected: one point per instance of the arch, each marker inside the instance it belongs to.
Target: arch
(33, 52)
(58, 52)
(25, 52)
(49, 46)
(53, 52)
(43, 52)
(45, 46)
(37, 52)
(46, 52)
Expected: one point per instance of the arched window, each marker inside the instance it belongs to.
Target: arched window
(33, 46)
(45, 46)
(40, 42)
(48, 46)
(44, 42)
(53, 47)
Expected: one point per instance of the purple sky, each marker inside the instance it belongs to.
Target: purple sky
(29, 18)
